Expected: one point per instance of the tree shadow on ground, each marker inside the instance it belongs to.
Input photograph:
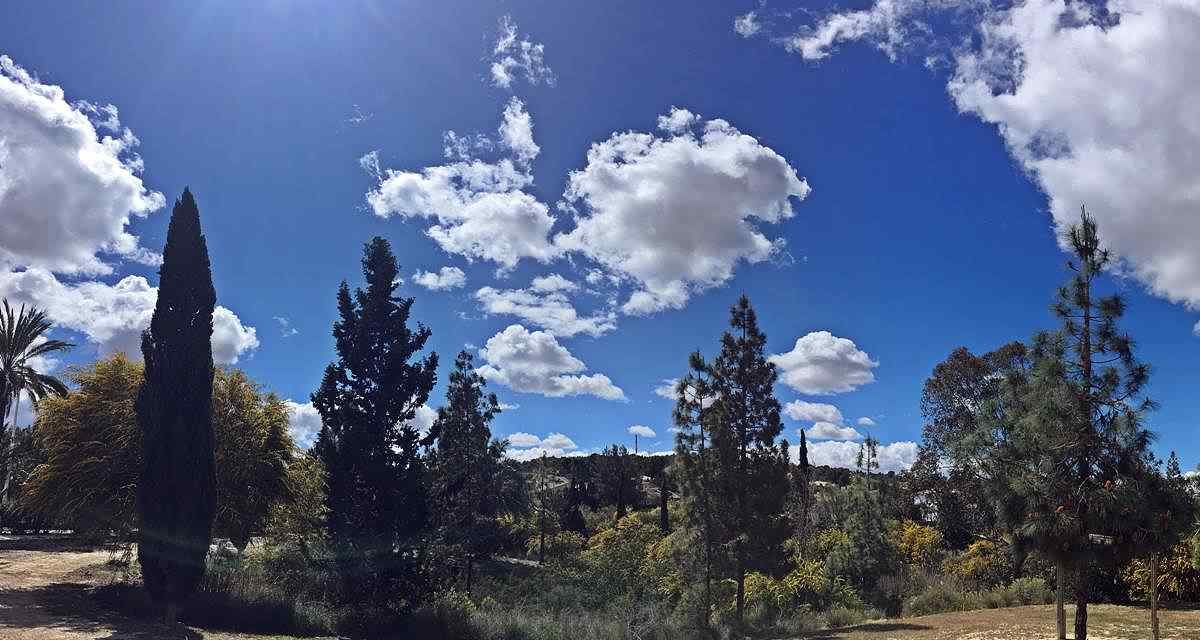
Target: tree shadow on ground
(67, 607)
(860, 629)
(52, 542)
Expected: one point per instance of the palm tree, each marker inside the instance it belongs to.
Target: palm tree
(22, 341)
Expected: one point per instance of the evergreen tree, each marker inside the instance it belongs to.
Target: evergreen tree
(693, 416)
(801, 491)
(1065, 431)
(177, 492)
(751, 480)
(618, 479)
(466, 494)
(367, 442)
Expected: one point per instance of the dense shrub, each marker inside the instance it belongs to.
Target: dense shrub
(1178, 577)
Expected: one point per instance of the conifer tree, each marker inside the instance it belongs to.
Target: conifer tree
(466, 493)
(693, 416)
(1088, 394)
(618, 480)
(177, 493)
(801, 491)
(367, 442)
(751, 468)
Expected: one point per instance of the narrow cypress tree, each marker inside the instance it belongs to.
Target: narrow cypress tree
(177, 492)
(751, 468)
(370, 449)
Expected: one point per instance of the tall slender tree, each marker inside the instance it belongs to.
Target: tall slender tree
(467, 491)
(367, 442)
(694, 415)
(1082, 433)
(23, 343)
(177, 492)
(751, 467)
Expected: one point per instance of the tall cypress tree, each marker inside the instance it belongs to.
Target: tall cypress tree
(177, 492)
(370, 449)
(751, 468)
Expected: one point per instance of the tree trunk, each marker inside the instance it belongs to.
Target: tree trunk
(10, 449)
(1081, 601)
(1154, 596)
(741, 585)
(470, 573)
(1060, 616)
(664, 520)
(541, 545)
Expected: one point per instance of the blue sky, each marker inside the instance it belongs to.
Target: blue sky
(854, 169)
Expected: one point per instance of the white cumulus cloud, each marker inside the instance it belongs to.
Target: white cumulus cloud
(674, 215)
(813, 412)
(832, 431)
(304, 422)
(641, 430)
(1094, 100)
(534, 362)
(822, 363)
(866, 422)
(444, 279)
(543, 305)
(479, 207)
(112, 317)
(67, 190)
(747, 24)
(896, 456)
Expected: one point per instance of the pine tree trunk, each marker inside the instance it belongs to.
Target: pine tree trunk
(542, 546)
(664, 520)
(1081, 601)
(741, 585)
(1154, 596)
(1060, 616)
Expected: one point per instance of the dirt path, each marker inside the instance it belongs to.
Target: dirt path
(45, 595)
(1105, 622)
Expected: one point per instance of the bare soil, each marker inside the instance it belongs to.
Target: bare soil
(46, 593)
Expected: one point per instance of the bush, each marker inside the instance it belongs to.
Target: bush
(948, 593)
(560, 546)
(843, 617)
(918, 544)
(983, 563)
(1178, 577)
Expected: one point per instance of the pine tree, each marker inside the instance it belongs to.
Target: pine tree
(177, 493)
(367, 442)
(618, 481)
(465, 468)
(693, 416)
(1093, 384)
(751, 468)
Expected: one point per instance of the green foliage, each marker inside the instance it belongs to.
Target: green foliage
(89, 479)
(983, 563)
(22, 344)
(299, 522)
(560, 545)
(471, 483)
(918, 544)
(1178, 577)
(947, 593)
(253, 450)
(177, 496)
(614, 559)
(371, 451)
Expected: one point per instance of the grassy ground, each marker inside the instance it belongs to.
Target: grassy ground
(1105, 622)
(47, 592)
